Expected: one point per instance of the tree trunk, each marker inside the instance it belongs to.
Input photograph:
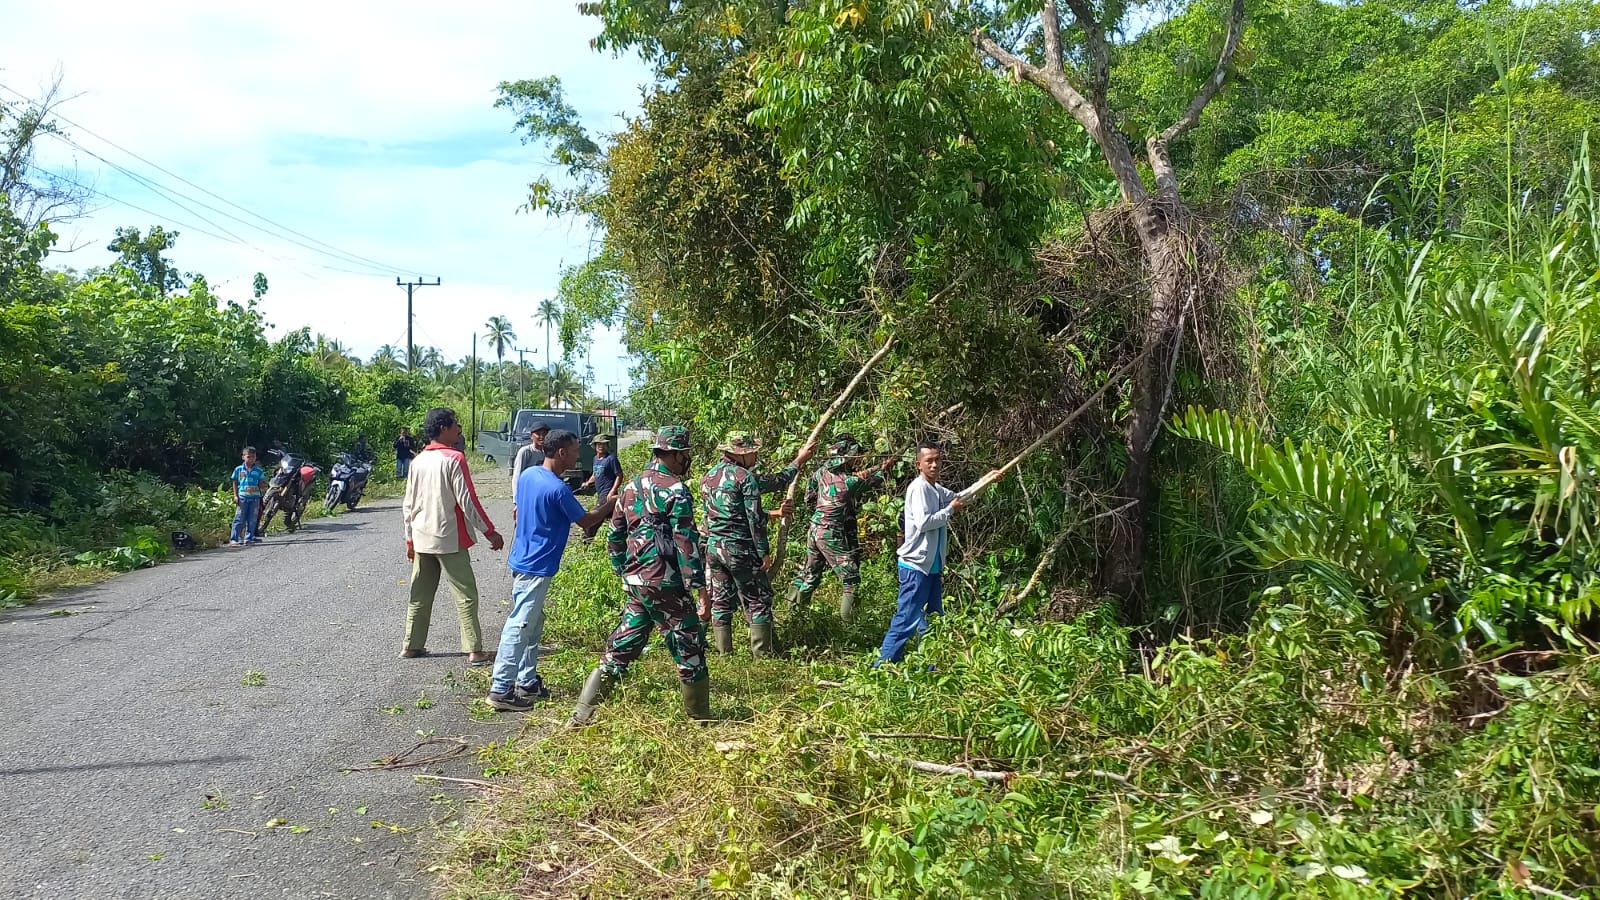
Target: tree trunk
(1126, 535)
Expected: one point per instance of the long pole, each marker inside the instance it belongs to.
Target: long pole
(1045, 438)
(522, 387)
(474, 437)
(788, 498)
(411, 342)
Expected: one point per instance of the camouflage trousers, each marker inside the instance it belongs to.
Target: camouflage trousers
(737, 580)
(827, 548)
(669, 609)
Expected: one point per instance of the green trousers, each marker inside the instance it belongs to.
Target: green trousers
(457, 568)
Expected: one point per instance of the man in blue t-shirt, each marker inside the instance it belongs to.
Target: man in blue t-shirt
(546, 512)
(607, 472)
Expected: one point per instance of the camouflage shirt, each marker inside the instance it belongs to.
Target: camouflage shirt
(837, 492)
(653, 541)
(732, 497)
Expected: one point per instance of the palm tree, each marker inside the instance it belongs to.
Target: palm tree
(330, 353)
(387, 357)
(549, 313)
(429, 358)
(500, 335)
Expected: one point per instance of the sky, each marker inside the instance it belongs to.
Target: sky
(367, 127)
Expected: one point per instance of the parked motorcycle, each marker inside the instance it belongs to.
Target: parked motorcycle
(289, 491)
(349, 482)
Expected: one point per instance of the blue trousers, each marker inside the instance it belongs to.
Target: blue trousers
(921, 596)
(244, 519)
(518, 659)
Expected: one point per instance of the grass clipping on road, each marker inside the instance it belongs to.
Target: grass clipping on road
(1284, 762)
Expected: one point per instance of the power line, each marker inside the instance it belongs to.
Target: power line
(122, 202)
(357, 258)
(171, 195)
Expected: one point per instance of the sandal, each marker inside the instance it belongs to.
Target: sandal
(479, 660)
(414, 654)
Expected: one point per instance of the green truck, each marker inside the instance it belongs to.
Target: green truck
(500, 447)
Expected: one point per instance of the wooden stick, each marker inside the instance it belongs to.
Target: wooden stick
(1045, 438)
(778, 547)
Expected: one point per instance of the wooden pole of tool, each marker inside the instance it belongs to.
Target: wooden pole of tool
(1050, 435)
(780, 544)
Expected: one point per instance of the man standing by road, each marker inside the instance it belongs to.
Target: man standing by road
(607, 472)
(441, 512)
(929, 506)
(737, 551)
(547, 510)
(530, 456)
(656, 549)
(403, 451)
(833, 540)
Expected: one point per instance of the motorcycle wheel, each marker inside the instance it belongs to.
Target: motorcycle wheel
(268, 510)
(353, 500)
(333, 498)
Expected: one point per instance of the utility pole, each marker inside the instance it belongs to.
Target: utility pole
(522, 382)
(474, 437)
(411, 344)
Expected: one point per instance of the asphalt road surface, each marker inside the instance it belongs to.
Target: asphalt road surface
(135, 760)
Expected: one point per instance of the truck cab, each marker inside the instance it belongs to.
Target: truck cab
(501, 447)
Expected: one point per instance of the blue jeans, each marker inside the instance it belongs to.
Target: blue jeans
(244, 519)
(402, 467)
(518, 659)
(920, 596)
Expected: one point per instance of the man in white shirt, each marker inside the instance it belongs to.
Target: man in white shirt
(528, 457)
(441, 513)
(929, 506)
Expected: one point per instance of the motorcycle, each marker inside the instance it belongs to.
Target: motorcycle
(348, 482)
(289, 491)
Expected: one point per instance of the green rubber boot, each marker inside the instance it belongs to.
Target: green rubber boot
(595, 691)
(796, 598)
(761, 643)
(697, 700)
(847, 604)
(722, 637)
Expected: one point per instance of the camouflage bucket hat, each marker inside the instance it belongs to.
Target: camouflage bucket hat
(844, 445)
(673, 437)
(602, 439)
(740, 442)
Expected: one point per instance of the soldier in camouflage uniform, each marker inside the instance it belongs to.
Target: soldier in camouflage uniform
(736, 540)
(656, 550)
(833, 541)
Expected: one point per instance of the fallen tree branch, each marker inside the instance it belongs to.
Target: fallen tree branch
(1049, 557)
(624, 848)
(470, 782)
(942, 769)
(911, 736)
(779, 545)
(401, 760)
(1002, 777)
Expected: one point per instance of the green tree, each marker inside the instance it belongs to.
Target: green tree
(549, 315)
(143, 256)
(501, 336)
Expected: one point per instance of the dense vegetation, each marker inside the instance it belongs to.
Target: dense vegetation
(1305, 606)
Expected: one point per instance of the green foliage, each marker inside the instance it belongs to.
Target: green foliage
(1281, 763)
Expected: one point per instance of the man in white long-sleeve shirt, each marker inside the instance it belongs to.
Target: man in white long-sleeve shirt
(929, 506)
(441, 513)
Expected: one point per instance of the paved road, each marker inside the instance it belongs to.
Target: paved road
(134, 763)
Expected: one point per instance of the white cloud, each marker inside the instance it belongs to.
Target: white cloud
(366, 125)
